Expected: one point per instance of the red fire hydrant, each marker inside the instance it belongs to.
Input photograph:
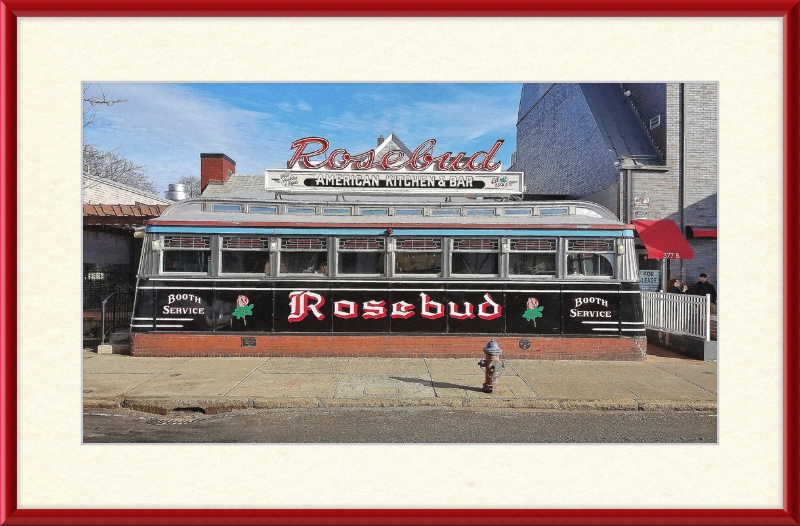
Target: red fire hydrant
(492, 364)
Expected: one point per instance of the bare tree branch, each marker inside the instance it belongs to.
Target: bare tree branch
(113, 166)
(93, 100)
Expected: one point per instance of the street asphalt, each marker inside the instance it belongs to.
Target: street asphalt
(665, 382)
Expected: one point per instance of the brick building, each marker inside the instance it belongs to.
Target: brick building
(645, 151)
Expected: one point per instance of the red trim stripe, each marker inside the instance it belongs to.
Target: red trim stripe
(381, 225)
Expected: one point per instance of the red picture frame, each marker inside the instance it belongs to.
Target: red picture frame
(789, 10)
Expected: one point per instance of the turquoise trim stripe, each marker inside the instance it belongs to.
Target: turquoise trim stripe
(398, 232)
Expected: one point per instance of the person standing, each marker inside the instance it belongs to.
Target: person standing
(703, 287)
(674, 287)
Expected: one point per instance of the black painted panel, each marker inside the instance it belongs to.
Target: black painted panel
(407, 300)
(312, 307)
(631, 314)
(243, 307)
(485, 305)
(144, 309)
(533, 309)
(524, 308)
(184, 307)
(590, 312)
(365, 311)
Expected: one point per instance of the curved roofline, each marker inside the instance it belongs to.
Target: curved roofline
(407, 212)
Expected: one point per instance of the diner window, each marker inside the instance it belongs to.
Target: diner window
(532, 257)
(590, 257)
(362, 255)
(418, 256)
(475, 256)
(186, 254)
(304, 255)
(245, 255)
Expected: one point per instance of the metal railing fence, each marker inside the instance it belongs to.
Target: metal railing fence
(678, 313)
(117, 311)
(99, 282)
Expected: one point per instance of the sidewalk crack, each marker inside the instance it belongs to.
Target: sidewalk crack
(156, 374)
(635, 396)
(430, 377)
(246, 377)
(685, 380)
(339, 377)
(535, 394)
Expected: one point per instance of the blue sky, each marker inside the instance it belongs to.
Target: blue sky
(165, 127)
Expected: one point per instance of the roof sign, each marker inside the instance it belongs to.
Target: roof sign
(394, 183)
(395, 172)
(393, 160)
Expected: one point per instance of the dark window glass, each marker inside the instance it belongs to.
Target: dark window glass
(186, 260)
(475, 263)
(585, 264)
(418, 262)
(249, 262)
(304, 263)
(532, 264)
(361, 262)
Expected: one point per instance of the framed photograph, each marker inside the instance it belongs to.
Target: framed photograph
(49, 50)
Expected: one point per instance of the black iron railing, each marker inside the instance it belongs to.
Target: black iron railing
(117, 310)
(100, 281)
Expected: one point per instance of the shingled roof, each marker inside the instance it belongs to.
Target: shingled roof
(124, 216)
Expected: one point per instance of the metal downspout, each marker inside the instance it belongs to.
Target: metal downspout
(682, 182)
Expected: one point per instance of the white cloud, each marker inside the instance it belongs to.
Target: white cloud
(466, 116)
(165, 127)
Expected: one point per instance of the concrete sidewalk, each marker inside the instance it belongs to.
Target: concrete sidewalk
(213, 385)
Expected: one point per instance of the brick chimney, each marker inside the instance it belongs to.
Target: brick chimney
(380, 140)
(215, 167)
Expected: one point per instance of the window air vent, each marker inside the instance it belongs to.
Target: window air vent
(304, 243)
(537, 245)
(591, 245)
(419, 244)
(245, 242)
(475, 244)
(371, 243)
(187, 242)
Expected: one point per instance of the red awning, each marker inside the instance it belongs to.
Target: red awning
(663, 240)
(701, 231)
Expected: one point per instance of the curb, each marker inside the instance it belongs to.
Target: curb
(212, 406)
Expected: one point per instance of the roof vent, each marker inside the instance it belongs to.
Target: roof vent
(176, 192)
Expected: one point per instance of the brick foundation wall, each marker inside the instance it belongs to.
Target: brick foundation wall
(386, 346)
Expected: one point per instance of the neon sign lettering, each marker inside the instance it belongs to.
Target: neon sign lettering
(421, 159)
